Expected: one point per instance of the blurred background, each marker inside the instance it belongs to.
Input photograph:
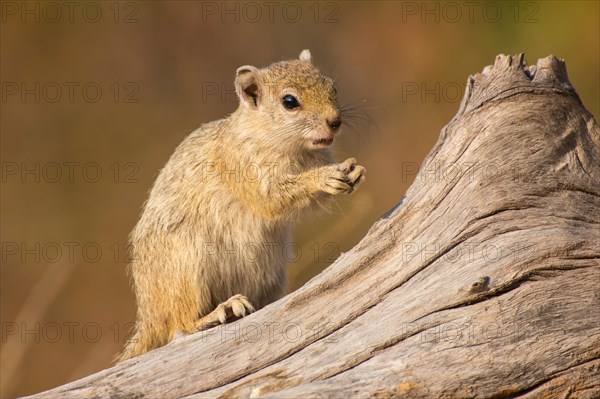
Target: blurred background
(96, 96)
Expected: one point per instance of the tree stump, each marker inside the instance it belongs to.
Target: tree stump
(482, 282)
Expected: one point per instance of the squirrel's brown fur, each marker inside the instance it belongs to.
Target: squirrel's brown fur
(210, 242)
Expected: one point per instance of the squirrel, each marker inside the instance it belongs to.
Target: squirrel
(209, 246)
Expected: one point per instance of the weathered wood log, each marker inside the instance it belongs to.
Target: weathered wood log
(482, 282)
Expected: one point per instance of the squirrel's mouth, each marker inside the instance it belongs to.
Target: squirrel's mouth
(323, 142)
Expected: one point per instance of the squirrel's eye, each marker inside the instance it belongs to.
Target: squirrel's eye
(290, 102)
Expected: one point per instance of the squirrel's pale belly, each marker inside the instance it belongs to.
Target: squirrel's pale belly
(240, 253)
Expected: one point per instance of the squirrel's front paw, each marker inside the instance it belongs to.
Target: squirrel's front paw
(343, 177)
(235, 307)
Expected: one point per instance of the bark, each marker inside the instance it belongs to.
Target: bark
(482, 282)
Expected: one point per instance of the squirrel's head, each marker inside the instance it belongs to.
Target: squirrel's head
(294, 99)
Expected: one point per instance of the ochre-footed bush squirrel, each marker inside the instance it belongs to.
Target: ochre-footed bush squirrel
(209, 245)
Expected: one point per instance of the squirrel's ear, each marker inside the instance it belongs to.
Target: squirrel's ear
(305, 56)
(247, 85)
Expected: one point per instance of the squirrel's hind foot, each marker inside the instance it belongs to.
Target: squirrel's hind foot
(232, 309)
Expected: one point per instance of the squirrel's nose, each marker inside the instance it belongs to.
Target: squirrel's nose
(335, 124)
